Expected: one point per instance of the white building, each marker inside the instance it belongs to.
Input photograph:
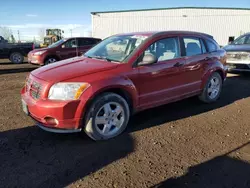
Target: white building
(222, 23)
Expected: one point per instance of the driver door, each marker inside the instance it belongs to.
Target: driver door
(161, 82)
(68, 49)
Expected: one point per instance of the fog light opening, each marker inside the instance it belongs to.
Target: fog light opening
(51, 121)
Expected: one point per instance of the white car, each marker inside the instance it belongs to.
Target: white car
(238, 54)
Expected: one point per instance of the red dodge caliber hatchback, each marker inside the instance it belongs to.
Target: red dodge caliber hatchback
(121, 75)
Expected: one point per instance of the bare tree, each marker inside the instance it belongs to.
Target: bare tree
(41, 33)
(5, 32)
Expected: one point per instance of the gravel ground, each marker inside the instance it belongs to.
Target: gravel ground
(184, 144)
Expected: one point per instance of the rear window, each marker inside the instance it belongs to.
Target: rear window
(212, 46)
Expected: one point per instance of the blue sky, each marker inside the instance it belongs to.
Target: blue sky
(28, 16)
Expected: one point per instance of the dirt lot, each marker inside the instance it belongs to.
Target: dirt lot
(184, 144)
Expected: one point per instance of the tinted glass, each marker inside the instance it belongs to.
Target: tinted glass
(165, 49)
(192, 46)
(85, 42)
(70, 43)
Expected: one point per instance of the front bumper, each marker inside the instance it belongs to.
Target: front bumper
(38, 60)
(55, 130)
(238, 66)
(67, 114)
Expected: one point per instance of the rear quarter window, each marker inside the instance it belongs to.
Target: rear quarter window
(212, 46)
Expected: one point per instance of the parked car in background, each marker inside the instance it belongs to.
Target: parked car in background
(62, 49)
(124, 74)
(15, 52)
(238, 54)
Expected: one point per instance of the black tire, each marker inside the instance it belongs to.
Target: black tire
(16, 57)
(91, 129)
(205, 96)
(50, 60)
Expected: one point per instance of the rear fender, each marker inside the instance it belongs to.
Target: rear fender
(218, 67)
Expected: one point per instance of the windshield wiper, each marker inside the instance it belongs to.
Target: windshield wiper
(102, 57)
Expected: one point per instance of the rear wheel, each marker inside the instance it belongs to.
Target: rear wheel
(212, 89)
(50, 60)
(16, 57)
(107, 117)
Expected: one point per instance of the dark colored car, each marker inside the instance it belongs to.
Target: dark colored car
(62, 49)
(238, 54)
(15, 52)
(120, 76)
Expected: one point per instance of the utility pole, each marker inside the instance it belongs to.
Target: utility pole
(18, 33)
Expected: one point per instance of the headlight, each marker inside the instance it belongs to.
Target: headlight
(39, 53)
(67, 90)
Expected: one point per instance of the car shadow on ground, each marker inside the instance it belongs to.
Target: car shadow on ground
(222, 171)
(6, 63)
(16, 70)
(31, 157)
(235, 88)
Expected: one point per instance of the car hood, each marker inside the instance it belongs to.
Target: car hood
(237, 48)
(71, 68)
(39, 50)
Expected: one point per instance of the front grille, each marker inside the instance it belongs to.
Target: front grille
(34, 89)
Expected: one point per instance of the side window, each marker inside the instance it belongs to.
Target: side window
(192, 46)
(165, 49)
(240, 40)
(70, 43)
(247, 40)
(212, 47)
(86, 41)
(203, 47)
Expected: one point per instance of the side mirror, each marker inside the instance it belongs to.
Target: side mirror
(148, 59)
(63, 46)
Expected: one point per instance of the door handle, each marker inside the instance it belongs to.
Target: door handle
(178, 64)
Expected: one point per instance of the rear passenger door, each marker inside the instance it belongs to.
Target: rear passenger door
(196, 57)
(84, 44)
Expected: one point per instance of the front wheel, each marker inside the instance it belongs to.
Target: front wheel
(212, 89)
(50, 60)
(107, 117)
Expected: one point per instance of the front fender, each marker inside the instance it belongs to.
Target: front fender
(121, 83)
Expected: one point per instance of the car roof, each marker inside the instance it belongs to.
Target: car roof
(81, 38)
(151, 33)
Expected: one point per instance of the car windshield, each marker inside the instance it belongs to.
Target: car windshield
(242, 40)
(116, 48)
(57, 43)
